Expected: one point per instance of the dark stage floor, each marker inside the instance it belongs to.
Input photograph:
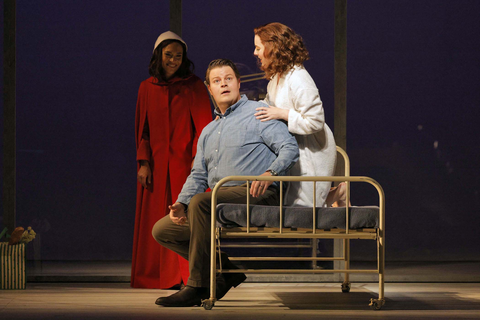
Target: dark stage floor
(266, 301)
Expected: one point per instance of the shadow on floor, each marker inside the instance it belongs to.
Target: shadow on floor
(360, 301)
(326, 300)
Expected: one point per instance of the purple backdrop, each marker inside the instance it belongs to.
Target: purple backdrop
(413, 108)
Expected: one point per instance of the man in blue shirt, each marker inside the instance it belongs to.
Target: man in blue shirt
(235, 143)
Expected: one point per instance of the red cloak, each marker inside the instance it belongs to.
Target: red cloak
(176, 113)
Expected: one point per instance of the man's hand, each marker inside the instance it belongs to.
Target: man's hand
(177, 213)
(270, 113)
(258, 187)
(144, 174)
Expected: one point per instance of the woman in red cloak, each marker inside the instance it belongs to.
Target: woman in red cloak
(173, 106)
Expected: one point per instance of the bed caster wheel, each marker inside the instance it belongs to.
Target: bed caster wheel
(346, 287)
(208, 304)
(376, 304)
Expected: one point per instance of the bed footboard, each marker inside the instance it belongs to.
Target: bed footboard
(250, 226)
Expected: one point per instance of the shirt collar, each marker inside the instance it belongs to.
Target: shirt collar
(233, 107)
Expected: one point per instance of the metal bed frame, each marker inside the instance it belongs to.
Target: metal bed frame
(346, 235)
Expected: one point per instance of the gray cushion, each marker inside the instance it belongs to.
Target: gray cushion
(235, 215)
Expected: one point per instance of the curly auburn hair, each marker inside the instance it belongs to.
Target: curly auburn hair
(283, 47)
(156, 70)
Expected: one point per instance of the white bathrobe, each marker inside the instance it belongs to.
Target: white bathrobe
(297, 92)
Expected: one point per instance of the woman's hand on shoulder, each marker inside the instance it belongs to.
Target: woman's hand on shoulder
(144, 174)
(271, 113)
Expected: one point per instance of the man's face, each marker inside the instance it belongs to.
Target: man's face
(224, 87)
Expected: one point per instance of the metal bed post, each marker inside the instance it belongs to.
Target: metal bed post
(346, 242)
(209, 303)
(377, 234)
(377, 304)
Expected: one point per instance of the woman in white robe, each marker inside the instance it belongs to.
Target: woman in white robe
(292, 96)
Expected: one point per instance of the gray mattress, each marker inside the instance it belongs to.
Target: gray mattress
(235, 215)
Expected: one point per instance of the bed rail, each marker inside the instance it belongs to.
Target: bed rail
(377, 234)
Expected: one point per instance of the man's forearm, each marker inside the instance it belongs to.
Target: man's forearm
(277, 138)
(196, 183)
(285, 160)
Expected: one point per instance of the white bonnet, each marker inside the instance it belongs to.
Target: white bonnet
(169, 35)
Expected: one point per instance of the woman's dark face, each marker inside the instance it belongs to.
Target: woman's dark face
(172, 57)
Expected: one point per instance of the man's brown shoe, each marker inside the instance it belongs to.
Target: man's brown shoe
(187, 297)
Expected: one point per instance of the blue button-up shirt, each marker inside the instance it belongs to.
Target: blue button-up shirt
(239, 144)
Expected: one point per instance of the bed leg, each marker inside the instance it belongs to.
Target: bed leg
(346, 252)
(338, 251)
(346, 259)
(381, 264)
(208, 304)
(346, 287)
(377, 304)
(314, 245)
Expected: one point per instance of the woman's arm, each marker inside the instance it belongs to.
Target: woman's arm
(144, 174)
(307, 116)
(142, 137)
